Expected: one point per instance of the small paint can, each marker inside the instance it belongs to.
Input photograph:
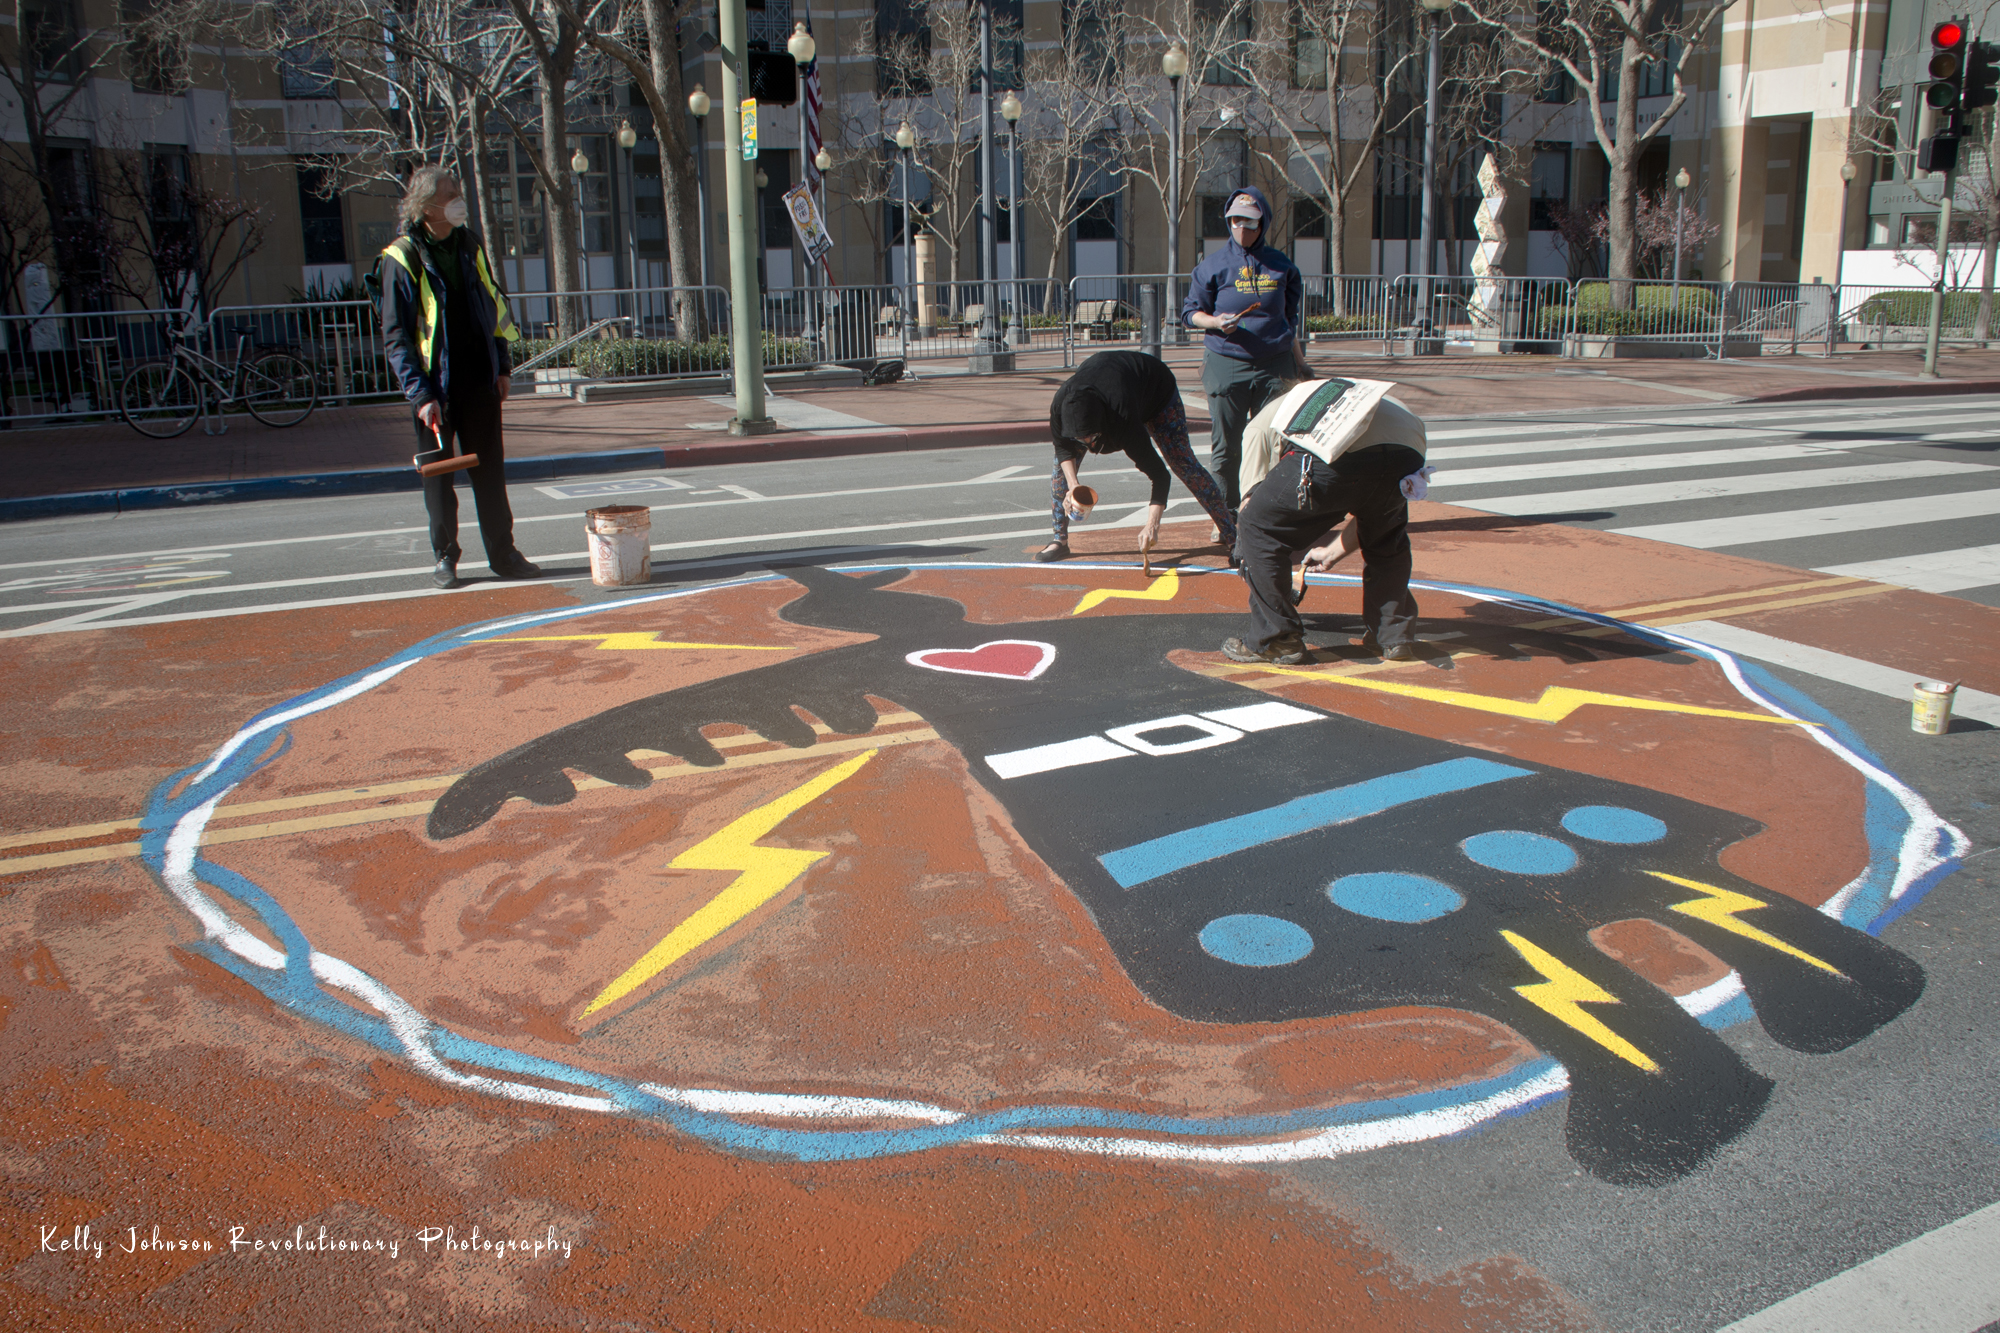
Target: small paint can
(1081, 501)
(621, 545)
(1930, 707)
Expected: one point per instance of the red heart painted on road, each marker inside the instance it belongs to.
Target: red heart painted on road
(1009, 659)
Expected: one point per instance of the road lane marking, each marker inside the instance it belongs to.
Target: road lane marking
(1944, 1281)
(1891, 682)
(1935, 571)
(1710, 534)
(1710, 488)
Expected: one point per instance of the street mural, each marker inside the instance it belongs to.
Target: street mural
(837, 863)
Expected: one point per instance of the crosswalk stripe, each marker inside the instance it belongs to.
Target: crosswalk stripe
(1708, 488)
(1586, 444)
(1796, 421)
(1766, 453)
(1825, 520)
(1937, 571)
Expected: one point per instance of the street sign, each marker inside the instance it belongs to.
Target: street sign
(749, 129)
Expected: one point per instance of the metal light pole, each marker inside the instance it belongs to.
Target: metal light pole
(1681, 182)
(989, 354)
(802, 49)
(578, 165)
(906, 140)
(1010, 110)
(1174, 65)
(1840, 240)
(1426, 263)
(698, 105)
(628, 139)
(746, 332)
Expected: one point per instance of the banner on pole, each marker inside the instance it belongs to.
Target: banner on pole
(749, 129)
(806, 221)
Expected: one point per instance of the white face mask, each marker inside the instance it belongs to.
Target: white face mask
(455, 212)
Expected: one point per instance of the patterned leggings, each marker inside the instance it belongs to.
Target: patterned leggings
(1170, 437)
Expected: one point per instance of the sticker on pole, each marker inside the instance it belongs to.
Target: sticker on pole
(749, 129)
(799, 202)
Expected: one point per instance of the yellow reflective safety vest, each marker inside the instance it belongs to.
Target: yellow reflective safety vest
(404, 251)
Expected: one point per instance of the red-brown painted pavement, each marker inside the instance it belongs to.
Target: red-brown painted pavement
(145, 1087)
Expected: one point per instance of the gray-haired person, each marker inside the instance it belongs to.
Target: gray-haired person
(446, 330)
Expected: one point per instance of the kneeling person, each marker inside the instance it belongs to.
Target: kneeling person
(1343, 448)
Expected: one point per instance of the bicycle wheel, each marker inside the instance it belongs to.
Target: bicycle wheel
(279, 389)
(159, 399)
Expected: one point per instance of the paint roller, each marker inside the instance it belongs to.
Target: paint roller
(436, 463)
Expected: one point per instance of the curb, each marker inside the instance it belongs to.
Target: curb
(367, 481)
(1902, 390)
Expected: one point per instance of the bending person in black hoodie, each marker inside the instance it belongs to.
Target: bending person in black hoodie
(1249, 297)
(1113, 404)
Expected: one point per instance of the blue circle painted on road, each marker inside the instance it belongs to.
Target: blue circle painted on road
(1614, 823)
(1520, 853)
(1251, 939)
(1394, 896)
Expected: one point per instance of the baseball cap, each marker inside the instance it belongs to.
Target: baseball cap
(1243, 206)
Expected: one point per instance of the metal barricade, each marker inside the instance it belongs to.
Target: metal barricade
(1348, 311)
(642, 337)
(1105, 308)
(1649, 317)
(858, 325)
(62, 369)
(1877, 317)
(1491, 315)
(945, 318)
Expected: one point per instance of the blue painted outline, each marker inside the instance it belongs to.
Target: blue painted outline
(293, 985)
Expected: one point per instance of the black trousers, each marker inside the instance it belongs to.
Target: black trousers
(1237, 391)
(1298, 503)
(473, 421)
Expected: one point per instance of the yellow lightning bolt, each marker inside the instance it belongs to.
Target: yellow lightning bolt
(1565, 989)
(1163, 590)
(1556, 703)
(766, 871)
(628, 642)
(1719, 907)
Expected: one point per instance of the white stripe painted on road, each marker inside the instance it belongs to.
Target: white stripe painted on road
(1710, 488)
(1945, 1281)
(1745, 418)
(1937, 571)
(1748, 431)
(1828, 520)
(1762, 453)
(1890, 682)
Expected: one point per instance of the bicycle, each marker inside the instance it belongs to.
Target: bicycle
(161, 399)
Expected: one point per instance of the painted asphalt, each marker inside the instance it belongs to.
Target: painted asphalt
(701, 946)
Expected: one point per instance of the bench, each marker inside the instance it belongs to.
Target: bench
(888, 320)
(1095, 318)
(969, 319)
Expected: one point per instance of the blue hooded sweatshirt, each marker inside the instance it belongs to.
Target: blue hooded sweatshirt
(1233, 278)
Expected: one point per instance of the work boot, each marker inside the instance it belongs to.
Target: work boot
(1283, 652)
(446, 573)
(514, 565)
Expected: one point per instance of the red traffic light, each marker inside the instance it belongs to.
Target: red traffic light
(1948, 34)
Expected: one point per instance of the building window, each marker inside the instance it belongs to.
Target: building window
(49, 28)
(306, 72)
(1548, 184)
(1099, 220)
(155, 53)
(902, 50)
(320, 221)
(1308, 220)
(1309, 48)
(1092, 41)
(517, 198)
(593, 193)
(649, 201)
(1229, 28)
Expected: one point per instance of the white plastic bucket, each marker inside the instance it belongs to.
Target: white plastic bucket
(1930, 706)
(1080, 502)
(621, 545)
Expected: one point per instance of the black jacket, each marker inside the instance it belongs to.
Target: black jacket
(403, 317)
(1129, 389)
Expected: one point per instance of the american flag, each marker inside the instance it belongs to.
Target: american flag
(809, 121)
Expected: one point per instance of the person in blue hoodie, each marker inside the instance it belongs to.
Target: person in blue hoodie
(1248, 297)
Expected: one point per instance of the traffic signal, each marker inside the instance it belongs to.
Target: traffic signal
(1982, 76)
(774, 78)
(1947, 67)
(1938, 153)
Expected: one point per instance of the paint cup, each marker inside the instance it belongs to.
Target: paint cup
(1081, 501)
(621, 545)
(1930, 708)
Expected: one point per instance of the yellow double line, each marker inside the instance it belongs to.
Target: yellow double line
(387, 809)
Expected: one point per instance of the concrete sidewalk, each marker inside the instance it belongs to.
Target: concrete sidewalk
(108, 467)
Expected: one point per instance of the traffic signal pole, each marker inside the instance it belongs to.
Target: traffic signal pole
(746, 331)
(1930, 370)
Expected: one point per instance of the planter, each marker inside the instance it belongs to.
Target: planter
(1592, 346)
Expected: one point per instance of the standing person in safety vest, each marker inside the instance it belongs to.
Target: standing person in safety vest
(1248, 297)
(446, 329)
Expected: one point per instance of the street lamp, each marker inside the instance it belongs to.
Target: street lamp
(579, 164)
(989, 354)
(1681, 182)
(628, 139)
(1840, 238)
(802, 48)
(1427, 231)
(824, 161)
(1174, 65)
(906, 139)
(1010, 110)
(698, 105)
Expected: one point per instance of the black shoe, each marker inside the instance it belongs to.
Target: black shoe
(1053, 551)
(514, 565)
(446, 573)
(1401, 652)
(1285, 652)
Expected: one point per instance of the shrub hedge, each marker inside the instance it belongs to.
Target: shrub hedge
(621, 358)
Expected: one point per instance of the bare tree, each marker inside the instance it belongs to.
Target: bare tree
(180, 241)
(1073, 136)
(1608, 47)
